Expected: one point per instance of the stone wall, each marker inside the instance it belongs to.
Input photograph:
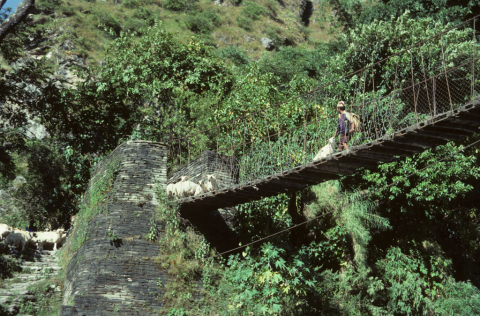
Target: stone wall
(110, 276)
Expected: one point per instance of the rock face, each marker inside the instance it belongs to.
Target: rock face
(108, 274)
(267, 43)
(36, 130)
(19, 180)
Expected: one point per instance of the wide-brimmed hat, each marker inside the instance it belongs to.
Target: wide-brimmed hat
(341, 103)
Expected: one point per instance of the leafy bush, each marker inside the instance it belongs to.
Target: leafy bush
(107, 20)
(142, 13)
(48, 6)
(253, 10)
(7, 267)
(178, 5)
(245, 22)
(236, 55)
(133, 24)
(131, 4)
(203, 22)
(68, 10)
(453, 11)
(174, 5)
(46, 197)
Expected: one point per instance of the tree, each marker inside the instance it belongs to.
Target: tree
(146, 87)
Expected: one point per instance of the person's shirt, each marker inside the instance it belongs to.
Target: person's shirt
(342, 124)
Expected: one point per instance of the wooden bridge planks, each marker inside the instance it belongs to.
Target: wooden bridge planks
(462, 122)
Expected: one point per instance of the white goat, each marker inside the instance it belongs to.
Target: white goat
(326, 150)
(177, 187)
(171, 190)
(200, 189)
(18, 238)
(186, 188)
(57, 238)
(5, 230)
(210, 184)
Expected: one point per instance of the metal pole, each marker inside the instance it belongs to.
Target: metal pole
(413, 86)
(279, 143)
(473, 60)
(374, 104)
(446, 76)
(434, 94)
(426, 81)
(305, 134)
(391, 100)
(363, 102)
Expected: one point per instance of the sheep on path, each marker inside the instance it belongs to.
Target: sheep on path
(5, 230)
(56, 238)
(18, 238)
(326, 150)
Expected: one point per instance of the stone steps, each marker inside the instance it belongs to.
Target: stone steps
(35, 267)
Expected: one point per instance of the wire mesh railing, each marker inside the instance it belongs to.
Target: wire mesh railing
(428, 78)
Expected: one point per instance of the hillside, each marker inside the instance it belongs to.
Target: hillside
(86, 28)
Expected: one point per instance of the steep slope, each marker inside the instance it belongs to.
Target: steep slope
(68, 28)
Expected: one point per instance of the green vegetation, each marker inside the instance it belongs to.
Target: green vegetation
(92, 203)
(179, 67)
(48, 297)
(8, 267)
(181, 249)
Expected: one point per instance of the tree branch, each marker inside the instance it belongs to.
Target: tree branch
(13, 20)
(2, 3)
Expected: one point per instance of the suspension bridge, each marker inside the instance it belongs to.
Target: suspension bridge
(413, 100)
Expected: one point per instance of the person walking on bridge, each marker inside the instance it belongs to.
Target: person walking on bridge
(345, 126)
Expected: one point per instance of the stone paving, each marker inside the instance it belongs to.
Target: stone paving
(35, 267)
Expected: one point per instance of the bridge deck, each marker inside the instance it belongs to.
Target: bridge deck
(450, 126)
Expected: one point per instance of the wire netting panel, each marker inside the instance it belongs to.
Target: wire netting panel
(223, 167)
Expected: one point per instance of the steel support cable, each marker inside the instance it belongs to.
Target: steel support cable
(223, 149)
(426, 82)
(335, 81)
(446, 77)
(364, 197)
(438, 75)
(473, 57)
(413, 86)
(393, 96)
(346, 204)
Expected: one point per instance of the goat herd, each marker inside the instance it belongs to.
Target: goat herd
(20, 238)
(185, 187)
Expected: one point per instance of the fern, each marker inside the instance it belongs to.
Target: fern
(358, 217)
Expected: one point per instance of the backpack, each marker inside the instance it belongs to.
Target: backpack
(353, 118)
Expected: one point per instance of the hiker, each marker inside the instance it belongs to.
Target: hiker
(345, 126)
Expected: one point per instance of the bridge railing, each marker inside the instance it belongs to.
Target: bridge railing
(428, 78)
